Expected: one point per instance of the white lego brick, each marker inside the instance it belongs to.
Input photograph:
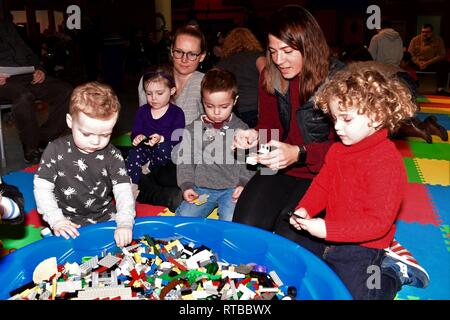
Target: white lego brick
(275, 278)
(247, 294)
(106, 292)
(68, 286)
(109, 261)
(232, 274)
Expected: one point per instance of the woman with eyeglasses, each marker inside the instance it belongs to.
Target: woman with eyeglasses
(188, 50)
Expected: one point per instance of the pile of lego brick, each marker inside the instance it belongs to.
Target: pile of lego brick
(172, 269)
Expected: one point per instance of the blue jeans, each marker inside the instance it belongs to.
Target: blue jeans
(218, 198)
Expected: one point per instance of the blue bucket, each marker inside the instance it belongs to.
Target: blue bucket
(234, 243)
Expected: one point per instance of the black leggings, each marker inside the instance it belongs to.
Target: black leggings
(266, 202)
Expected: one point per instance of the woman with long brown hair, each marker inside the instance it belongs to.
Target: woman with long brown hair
(299, 134)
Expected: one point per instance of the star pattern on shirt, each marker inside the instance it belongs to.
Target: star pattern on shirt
(83, 182)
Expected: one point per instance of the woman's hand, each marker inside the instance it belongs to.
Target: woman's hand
(245, 139)
(138, 139)
(283, 156)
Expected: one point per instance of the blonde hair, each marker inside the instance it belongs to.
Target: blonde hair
(95, 100)
(382, 97)
(238, 40)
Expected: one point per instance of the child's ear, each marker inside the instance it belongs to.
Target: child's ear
(376, 124)
(172, 91)
(69, 120)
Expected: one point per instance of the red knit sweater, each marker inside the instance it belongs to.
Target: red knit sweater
(361, 187)
(269, 119)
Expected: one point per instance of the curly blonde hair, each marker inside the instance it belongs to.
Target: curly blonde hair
(95, 100)
(382, 97)
(238, 40)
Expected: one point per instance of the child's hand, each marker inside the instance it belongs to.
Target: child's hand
(138, 139)
(245, 139)
(123, 236)
(299, 213)
(237, 193)
(190, 195)
(154, 139)
(66, 228)
(316, 226)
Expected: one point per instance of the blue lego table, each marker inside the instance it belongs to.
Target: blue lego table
(234, 243)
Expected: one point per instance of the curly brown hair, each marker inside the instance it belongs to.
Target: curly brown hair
(94, 99)
(238, 40)
(382, 97)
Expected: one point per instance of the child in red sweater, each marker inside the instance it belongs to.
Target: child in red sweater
(362, 182)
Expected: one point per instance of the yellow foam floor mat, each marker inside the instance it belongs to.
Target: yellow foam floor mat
(434, 172)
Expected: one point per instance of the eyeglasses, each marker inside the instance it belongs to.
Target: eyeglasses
(179, 54)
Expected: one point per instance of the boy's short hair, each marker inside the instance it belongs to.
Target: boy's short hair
(95, 100)
(380, 96)
(162, 73)
(217, 79)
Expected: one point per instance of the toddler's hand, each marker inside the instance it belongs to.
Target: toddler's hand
(67, 229)
(297, 216)
(190, 195)
(123, 236)
(138, 139)
(245, 139)
(237, 193)
(316, 227)
(154, 139)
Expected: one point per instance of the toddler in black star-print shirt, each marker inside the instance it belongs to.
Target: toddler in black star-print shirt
(80, 174)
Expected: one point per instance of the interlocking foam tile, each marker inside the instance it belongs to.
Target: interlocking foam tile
(433, 99)
(435, 139)
(434, 171)
(147, 210)
(426, 244)
(23, 181)
(417, 207)
(436, 110)
(167, 213)
(440, 197)
(213, 215)
(19, 236)
(31, 169)
(442, 119)
(403, 148)
(33, 218)
(439, 151)
(434, 105)
(411, 170)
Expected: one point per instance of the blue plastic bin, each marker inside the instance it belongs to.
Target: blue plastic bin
(233, 242)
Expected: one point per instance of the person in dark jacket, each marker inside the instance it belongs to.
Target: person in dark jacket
(23, 90)
(300, 134)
